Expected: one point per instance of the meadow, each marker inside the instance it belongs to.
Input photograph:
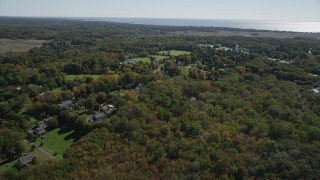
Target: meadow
(174, 53)
(18, 45)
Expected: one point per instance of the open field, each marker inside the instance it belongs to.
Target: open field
(18, 45)
(145, 59)
(159, 57)
(185, 69)
(80, 76)
(57, 140)
(175, 52)
(7, 166)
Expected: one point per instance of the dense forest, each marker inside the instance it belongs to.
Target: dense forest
(187, 107)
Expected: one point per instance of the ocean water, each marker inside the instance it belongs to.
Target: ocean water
(294, 26)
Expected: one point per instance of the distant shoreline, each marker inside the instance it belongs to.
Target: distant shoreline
(270, 25)
(259, 25)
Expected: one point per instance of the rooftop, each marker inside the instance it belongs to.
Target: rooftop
(23, 160)
(40, 131)
(66, 104)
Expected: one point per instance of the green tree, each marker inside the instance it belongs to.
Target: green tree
(53, 123)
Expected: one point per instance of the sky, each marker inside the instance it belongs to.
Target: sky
(290, 10)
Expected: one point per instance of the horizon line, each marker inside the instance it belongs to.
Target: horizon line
(172, 18)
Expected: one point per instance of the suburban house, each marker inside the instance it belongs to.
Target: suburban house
(96, 117)
(25, 160)
(43, 123)
(41, 126)
(40, 131)
(66, 104)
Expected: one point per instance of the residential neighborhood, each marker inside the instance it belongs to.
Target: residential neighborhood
(90, 98)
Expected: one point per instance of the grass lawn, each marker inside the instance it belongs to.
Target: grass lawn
(40, 155)
(185, 69)
(32, 121)
(7, 166)
(80, 76)
(159, 57)
(175, 52)
(57, 140)
(145, 59)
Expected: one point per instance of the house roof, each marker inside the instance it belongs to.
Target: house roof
(47, 119)
(40, 123)
(23, 160)
(40, 131)
(107, 107)
(99, 116)
(66, 104)
(96, 117)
